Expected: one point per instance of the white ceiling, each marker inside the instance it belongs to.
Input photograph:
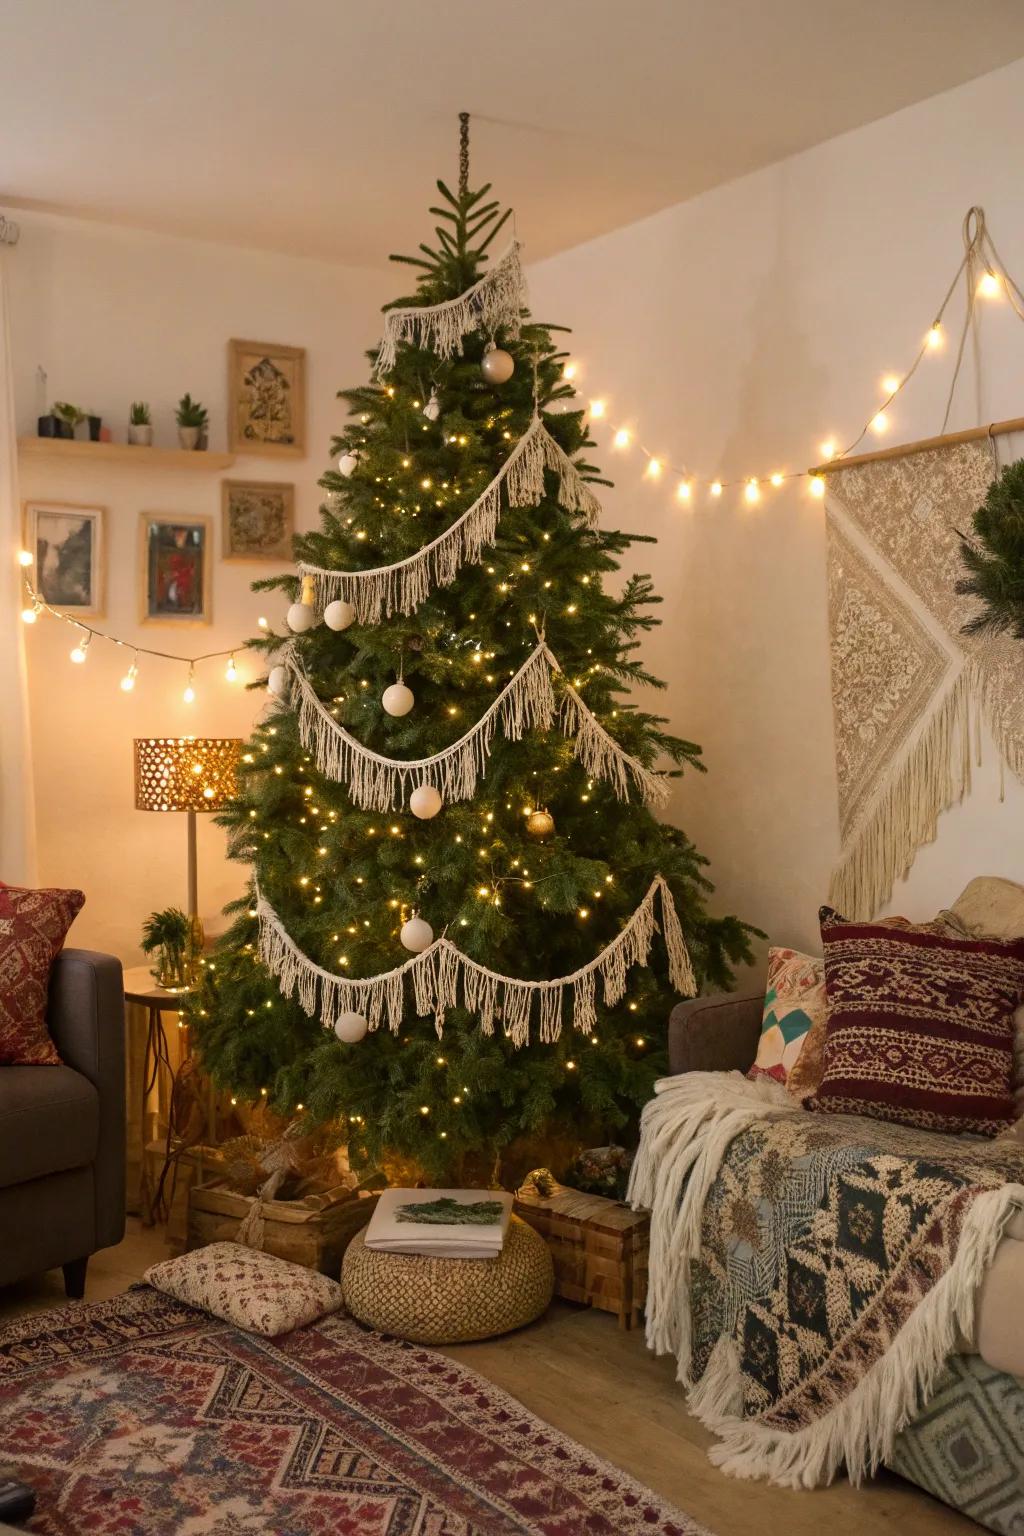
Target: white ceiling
(319, 126)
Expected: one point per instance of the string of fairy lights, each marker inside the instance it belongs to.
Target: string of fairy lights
(986, 277)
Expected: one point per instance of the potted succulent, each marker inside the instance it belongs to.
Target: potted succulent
(192, 418)
(169, 933)
(95, 425)
(140, 425)
(68, 416)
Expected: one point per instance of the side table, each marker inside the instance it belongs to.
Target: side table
(153, 1094)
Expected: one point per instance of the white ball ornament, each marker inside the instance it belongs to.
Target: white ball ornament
(339, 614)
(277, 682)
(300, 617)
(398, 699)
(417, 935)
(350, 1027)
(348, 463)
(432, 409)
(425, 802)
(497, 365)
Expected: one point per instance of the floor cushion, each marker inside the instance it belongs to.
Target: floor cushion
(244, 1286)
(49, 1121)
(449, 1301)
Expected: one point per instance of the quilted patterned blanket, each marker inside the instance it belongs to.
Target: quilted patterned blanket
(812, 1273)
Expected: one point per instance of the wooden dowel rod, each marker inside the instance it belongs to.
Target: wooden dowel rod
(968, 435)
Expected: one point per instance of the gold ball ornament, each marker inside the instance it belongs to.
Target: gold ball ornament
(540, 824)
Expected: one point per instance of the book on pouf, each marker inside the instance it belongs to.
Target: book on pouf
(441, 1223)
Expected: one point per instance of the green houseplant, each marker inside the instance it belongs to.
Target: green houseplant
(68, 417)
(169, 935)
(192, 418)
(140, 425)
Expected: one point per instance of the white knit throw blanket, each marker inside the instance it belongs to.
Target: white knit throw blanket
(686, 1131)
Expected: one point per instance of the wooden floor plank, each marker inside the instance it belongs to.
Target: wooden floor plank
(579, 1371)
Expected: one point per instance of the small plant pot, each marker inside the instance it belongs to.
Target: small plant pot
(95, 423)
(140, 433)
(64, 428)
(188, 437)
(47, 426)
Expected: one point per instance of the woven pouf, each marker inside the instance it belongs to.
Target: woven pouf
(449, 1301)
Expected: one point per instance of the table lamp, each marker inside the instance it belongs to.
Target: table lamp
(190, 774)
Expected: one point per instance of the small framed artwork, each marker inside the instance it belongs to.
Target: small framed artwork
(175, 558)
(257, 520)
(67, 547)
(266, 398)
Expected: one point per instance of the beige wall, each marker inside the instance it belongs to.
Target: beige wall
(113, 316)
(736, 332)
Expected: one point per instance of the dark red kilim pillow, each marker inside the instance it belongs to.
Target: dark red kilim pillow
(33, 927)
(920, 1025)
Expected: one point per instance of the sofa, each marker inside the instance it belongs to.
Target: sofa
(964, 1446)
(62, 1130)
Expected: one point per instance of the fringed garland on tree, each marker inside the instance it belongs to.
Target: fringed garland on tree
(527, 702)
(442, 971)
(496, 300)
(385, 590)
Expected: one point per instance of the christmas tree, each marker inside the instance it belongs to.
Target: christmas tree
(466, 929)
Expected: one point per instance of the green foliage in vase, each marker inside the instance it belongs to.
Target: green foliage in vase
(191, 413)
(65, 411)
(342, 878)
(139, 414)
(994, 557)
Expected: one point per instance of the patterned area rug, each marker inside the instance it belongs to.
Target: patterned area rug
(141, 1417)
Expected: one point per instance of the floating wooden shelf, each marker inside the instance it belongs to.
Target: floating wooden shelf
(70, 449)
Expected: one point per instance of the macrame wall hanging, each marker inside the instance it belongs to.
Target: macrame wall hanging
(528, 701)
(907, 684)
(442, 977)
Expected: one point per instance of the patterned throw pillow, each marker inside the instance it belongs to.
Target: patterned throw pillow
(794, 1002)
(250, 1289)
(920, 1025)
(33, 927)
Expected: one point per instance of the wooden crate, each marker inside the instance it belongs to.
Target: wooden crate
(599, 1247)
(314, 1231)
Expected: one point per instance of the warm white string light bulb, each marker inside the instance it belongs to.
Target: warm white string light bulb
(24, 557)
(30, 614)
(990, 287)
(189, 694)
(81, 650)
(231, 671)
(752, 491)
(621, 438)
(128, 681)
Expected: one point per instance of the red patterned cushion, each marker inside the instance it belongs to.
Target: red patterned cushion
(33, 927)
(920, 1025)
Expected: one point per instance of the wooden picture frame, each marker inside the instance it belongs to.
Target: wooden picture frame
(266, 399)
(257, 520)
(175, 568)
(68, 546)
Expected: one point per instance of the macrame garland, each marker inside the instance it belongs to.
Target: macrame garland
(385, 590)
(437, 974)
(496, 300)
(527, 702)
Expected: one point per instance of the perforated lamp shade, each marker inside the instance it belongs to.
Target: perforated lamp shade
(186, 773)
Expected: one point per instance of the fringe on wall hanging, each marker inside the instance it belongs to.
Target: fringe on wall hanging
(495, 300)
(442, 977)
(400, 588)
(379, 783)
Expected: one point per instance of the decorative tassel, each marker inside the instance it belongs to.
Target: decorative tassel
(386, 590)
(438, 971)
(527, 702)
(494, 301)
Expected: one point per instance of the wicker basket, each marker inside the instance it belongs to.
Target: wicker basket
(599, 1248)
(314, 1232)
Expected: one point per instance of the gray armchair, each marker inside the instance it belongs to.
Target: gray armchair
(62, 1130)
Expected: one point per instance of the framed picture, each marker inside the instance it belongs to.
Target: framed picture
(175, 585)
(66, 543)
(266, 398)
(257, 520)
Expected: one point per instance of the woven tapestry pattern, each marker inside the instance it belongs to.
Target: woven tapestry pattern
(906, 684)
